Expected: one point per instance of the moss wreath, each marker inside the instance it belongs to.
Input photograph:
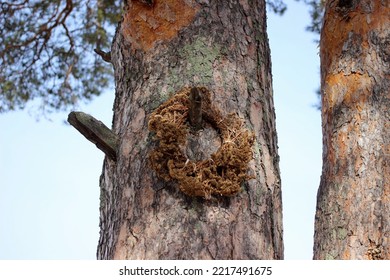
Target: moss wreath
(222, 173)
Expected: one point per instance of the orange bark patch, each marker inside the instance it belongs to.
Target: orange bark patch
(143, 26)
(339, 25)
(352, 90)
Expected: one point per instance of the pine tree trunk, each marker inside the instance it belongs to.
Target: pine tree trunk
(353, 206)
(158, 50)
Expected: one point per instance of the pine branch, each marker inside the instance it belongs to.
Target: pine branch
(96, 132)
(195, 108)
(106, 56)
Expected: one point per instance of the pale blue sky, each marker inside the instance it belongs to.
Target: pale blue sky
(49, 173)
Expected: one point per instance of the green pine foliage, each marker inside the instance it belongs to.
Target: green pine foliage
(46, 51)
(277, 6)
(316, 10)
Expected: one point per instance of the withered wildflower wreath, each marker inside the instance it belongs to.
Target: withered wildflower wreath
(219, 175)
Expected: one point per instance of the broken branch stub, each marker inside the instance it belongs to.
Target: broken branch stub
(96, 132)
(195, 108)
(106, 56)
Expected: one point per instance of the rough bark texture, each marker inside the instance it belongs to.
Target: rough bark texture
(353, 207)
(159, 49)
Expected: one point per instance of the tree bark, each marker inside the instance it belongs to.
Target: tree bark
(158, 50)
(353, 206)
